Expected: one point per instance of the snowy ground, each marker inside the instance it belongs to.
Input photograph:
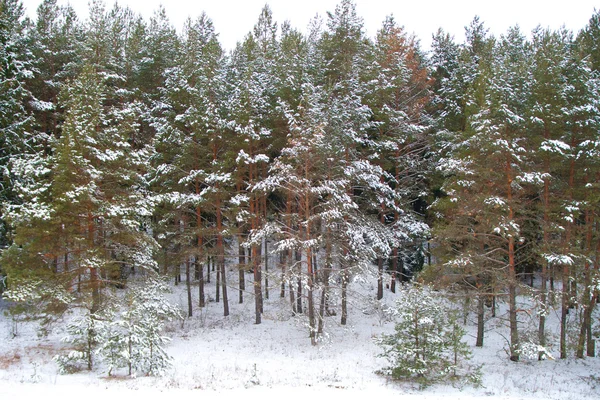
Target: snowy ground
(216, 357)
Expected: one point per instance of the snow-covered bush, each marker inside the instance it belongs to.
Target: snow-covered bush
(128, 337)
(427, 344)
(137, 334)
(83, 334)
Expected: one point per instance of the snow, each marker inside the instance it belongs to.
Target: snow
(223, 357)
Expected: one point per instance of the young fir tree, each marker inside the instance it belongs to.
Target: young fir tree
(427, 343)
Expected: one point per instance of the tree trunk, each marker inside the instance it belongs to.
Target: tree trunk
(588, 301)
(480, 320)
(218, 284)
(282, 263)
(394, 270)
(344, 317)
(293, 297)
(257, 285)
(208, 269)
(299, 308)
(512, 275)
(311, 305)
(241, 269)
(94, 278)
(566, 271)
(224, 287)
(188, 285)
(379, 278)
(201, 295)
(380, 259)
(221, 255)
(591, 342)
(544, 277)
(266, 258)
(324, 293)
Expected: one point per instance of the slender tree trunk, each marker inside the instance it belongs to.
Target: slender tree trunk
(201, 295)
(293, 297)
(544, 277)
(588, 301)
(344, 318)
(480, 320)
(512, 274)
(566, 272)
(299, 308)
(94, 278)
(591, 342)
(208, 269)
(221, 253)
(325, 272)
(260, 274)
(221, 266)
(266, 269)
(380, 259)
(282, 263)
(310, 290)
(310, 268)
(199, 239)
(188, 285)
(379, 278)
(257, 284)
(241, 269)
(394, 270)
(254, 251)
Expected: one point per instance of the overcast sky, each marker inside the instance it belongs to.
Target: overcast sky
(233, 19)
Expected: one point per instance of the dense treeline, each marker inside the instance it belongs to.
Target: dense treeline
(299, 161)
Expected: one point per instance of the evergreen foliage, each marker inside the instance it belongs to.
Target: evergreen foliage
(127, 147)
(126, 334)
(427, 345)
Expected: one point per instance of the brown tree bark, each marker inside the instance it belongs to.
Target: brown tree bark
(512, 273)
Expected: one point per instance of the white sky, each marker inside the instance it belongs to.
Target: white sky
(233, 19)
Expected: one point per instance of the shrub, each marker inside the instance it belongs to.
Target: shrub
(128, 336)
(427, 344)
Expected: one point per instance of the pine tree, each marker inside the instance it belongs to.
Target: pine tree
(427, 343)
(588, 47)
(490, 204)
(398, 96)
(16, 137)
(190, 145)
(97, 198)
(548, 124)
(55, 42)
(252, 105)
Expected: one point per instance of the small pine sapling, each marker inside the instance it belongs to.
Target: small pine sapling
(427, 344)
(137, 341)
(84, 333)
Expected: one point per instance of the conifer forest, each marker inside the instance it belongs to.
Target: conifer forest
(136, 158)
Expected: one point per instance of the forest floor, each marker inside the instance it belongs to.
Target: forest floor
(215, 356)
